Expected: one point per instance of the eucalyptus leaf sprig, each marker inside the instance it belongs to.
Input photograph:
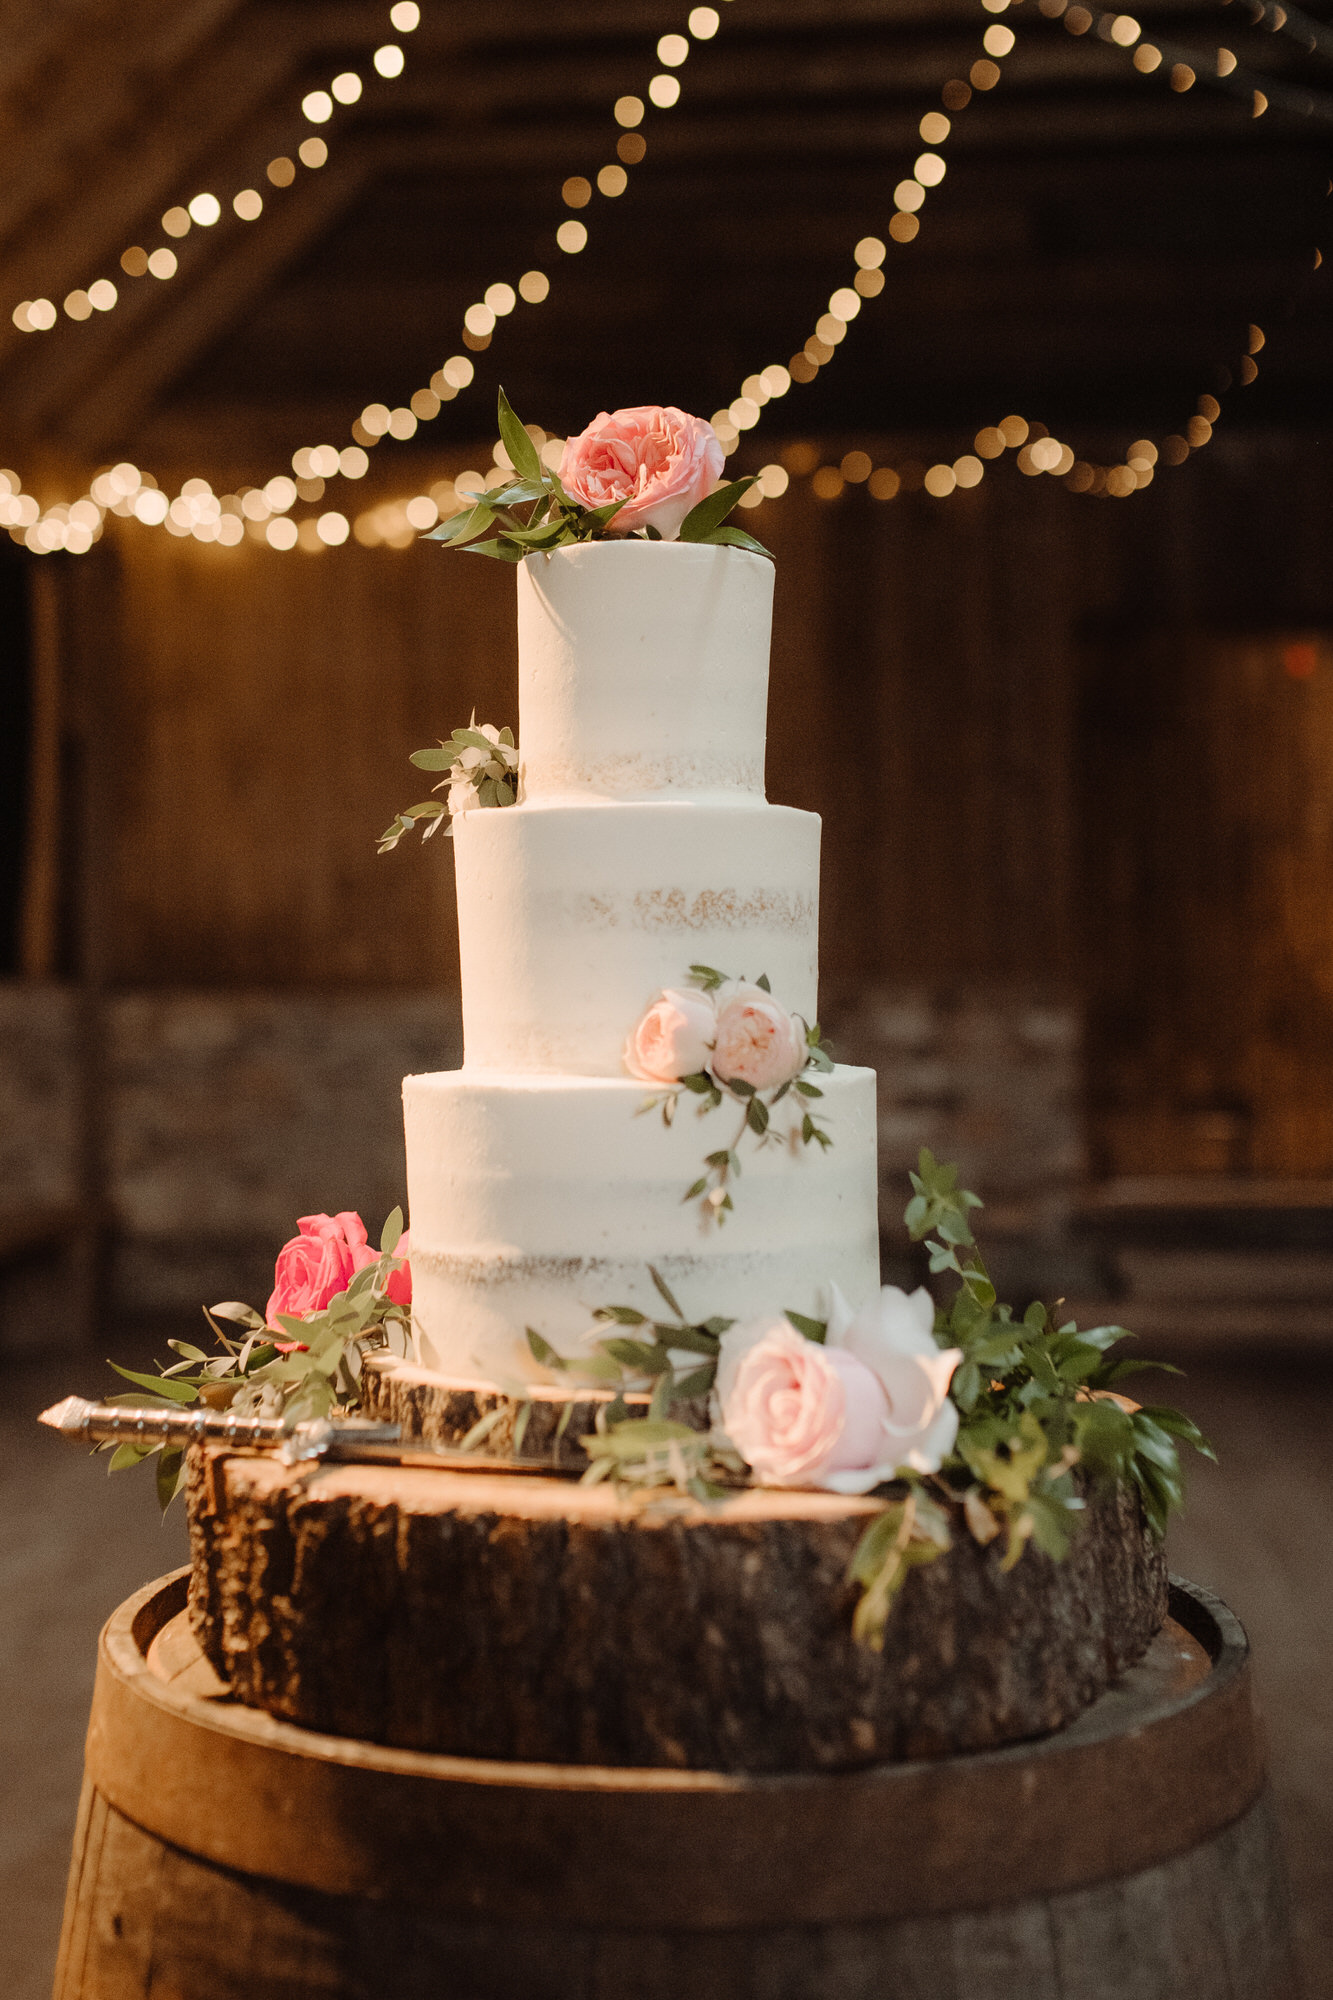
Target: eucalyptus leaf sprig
(259, 1372)
(480, 764)
(531, 513)
(712, 1189)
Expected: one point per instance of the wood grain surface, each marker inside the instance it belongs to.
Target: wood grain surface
(220, 1853)
(528, 1617)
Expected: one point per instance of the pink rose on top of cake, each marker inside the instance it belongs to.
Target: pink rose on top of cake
(660, 461)
(758, 1042)
(674, 1038)
(800, 1414)
(322, 1259)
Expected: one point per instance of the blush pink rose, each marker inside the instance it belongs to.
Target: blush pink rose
(317, 1264)
(798, 1413)
(673, 1039)
(660, 462)
(758, 1041)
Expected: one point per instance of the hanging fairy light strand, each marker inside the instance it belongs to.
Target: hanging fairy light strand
(1037, 451)
(205, 210)
(265, 512)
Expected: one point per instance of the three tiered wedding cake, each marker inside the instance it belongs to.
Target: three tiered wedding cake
(641, 845)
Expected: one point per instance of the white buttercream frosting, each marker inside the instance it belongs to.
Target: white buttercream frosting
(536, 1199)
(573, 917)
(643, 845)
(643, 670)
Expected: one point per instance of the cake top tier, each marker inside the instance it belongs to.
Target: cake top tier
(643, 671)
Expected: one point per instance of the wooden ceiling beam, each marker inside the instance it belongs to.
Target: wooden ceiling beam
(116, 402)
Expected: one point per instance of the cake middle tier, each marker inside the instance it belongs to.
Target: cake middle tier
(536, 1199)
(572, 918)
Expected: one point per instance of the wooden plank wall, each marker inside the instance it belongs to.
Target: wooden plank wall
(986, 698)
(261, 707)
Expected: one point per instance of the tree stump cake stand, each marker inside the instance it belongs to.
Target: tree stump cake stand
(222, 1854)
(500, 1614)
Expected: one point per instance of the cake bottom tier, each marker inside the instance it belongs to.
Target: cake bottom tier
(536, 1199)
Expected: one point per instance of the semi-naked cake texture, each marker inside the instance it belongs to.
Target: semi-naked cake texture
(642, 844)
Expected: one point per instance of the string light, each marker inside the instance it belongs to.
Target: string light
(263, 512)
(205, 209)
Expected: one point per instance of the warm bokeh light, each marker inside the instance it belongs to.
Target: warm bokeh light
(571, 237)
(501, 299)
(334, 528)
(934, 128)
(353, 462)
(405, 15)
(664, 91)
(248, 204)
(281, 171)
(968, 471)
(346, 87)
(317, 106)
(78, 305)
(909, 196)
(929, 170)
(612, 181)
(388, 60)
(939, 481)
(281, 533)
(870, 253)
(856, 467)
(205, 209)
(884, 483)
(576, 192)
(1125, 31)
(176, 222)
(704, 23)
(312, 152)
(162, 263)
(903, 228)
(628, 111)
(134, 261)
(672, 50)
(998, 40)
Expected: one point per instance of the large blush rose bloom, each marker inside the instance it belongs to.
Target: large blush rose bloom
(321, 1261)
(894, 1336)
(758, 1042)
(673, 1039)
(660, 462)
(798, 1413)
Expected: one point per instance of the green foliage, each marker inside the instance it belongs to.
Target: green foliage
(488, 765)
(909, 1532)
(713, 1188)
(646, 1355)
(531, 512)
(648, 1452)
(1036, 1397)
(304, 1368)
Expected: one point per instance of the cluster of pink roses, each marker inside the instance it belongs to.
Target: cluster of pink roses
(739, 1033)
(659, 462)
(321, 1261)
(847, 1414)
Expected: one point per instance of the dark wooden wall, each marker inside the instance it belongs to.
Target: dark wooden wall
(1051, 738)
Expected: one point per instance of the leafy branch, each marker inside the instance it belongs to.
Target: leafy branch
(302, 1368)
(482, 761)
(532, 513)
(1036, 1399)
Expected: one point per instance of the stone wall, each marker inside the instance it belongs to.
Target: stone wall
(218, 1118)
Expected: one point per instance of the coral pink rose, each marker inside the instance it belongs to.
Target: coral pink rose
(660, 462)
(758, 1042)
(798, 1413)
(398, 1285)
(318, 1264)
(674, 1038)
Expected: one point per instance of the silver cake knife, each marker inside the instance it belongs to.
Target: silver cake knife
(341, 1440)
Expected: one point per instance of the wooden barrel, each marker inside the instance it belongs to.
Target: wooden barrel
(221, 1853)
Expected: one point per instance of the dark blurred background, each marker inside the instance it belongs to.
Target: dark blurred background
(1071, 731)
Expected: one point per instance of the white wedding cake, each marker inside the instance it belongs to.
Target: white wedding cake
(641, 845)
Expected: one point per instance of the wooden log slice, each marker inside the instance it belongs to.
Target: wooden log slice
(223, 1855)
(547, 1422)
(511, 1616)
